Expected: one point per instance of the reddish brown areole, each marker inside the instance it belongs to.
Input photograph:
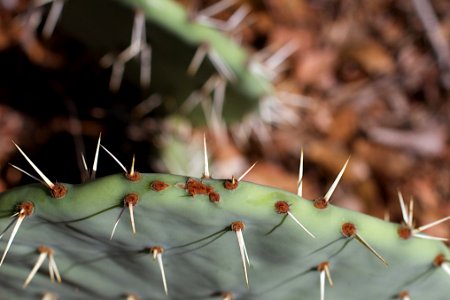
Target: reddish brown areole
(238, 225)
(26, 209)
(131, 198)
(156, 250)
(231, 184)
(320, 203)
(158, 185)
(403, 294)
(404, 232)
(136, 176)
(322, 266)
(227, 296)
(45, 249)
(214, 197)
(282, 207)
(348, 229)
(439, 260)
(196, 187)
(58, 191)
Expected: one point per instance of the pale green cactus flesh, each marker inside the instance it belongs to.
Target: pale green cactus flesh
(201, 257)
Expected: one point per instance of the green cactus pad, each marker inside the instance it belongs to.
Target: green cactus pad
(201, 255)
(106, 27)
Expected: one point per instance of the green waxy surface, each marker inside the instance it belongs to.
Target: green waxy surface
(283, 263)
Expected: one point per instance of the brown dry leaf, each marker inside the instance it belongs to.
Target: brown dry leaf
(388, 163)
(344, 125)
(372, 56)
(279, 36)
(5, 40)
(316, 67)
(262, 22)
(428, 141)
(18, 32)
(417, 68)
(12, 124)
(321, 117)
(425, 191)
(330, 156)
(391, 29)
(37, 52)
(429, 216)
(273, 175)
(369, 195)
(228, 160)
(292, 12)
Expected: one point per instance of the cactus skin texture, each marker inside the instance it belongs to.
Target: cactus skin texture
(201, 256)
(106, 27)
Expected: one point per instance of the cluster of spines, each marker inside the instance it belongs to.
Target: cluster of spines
(198, 187)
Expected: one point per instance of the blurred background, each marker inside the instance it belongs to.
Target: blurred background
(368, 80)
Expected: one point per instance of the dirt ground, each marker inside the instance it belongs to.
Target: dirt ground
(371, 79)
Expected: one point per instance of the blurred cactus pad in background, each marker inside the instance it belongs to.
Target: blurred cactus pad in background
(131, 128)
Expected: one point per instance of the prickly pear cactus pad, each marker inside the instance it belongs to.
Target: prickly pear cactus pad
(167, 42)
(204, 239)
